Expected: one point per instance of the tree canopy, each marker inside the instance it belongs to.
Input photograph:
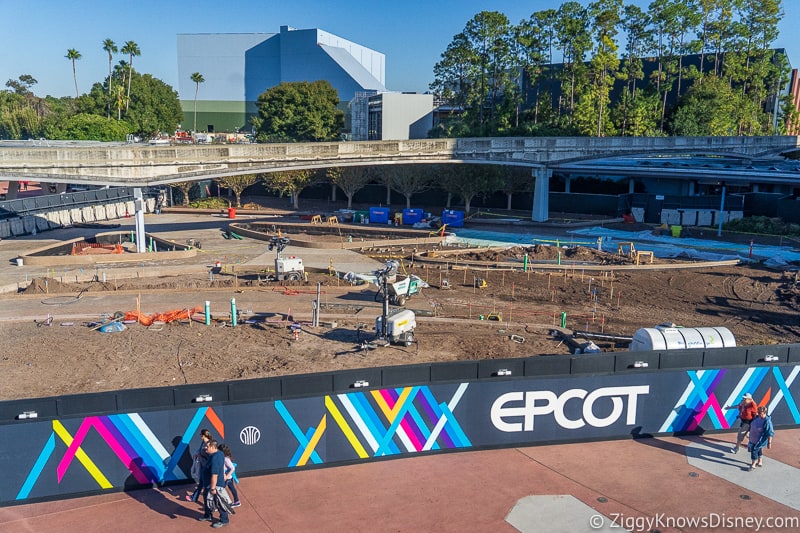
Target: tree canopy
(299, 112)
(576, 79)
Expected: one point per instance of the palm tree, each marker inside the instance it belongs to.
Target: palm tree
(111, 48)
(197, 78)
(132, 49)
(73, 55)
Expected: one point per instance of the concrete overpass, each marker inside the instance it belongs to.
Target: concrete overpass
(137, 166)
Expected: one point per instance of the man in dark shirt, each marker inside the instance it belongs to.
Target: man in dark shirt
(213, 481)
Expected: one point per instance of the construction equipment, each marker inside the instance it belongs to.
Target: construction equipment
(286, 268)
(398, 325)
(398, 291)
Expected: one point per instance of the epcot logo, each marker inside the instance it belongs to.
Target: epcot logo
(249, 435)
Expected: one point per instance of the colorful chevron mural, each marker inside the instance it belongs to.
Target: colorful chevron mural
(131, 440)
(699, 400)
(382, 422)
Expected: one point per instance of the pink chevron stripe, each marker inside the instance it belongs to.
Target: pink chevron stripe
(69, 455)
(117, 448)
(412, 435)
(387, 397)
(80, 435)
(714, 405)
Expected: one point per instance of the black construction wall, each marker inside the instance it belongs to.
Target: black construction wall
(600, 396)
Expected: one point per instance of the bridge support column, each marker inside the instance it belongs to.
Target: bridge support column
(631, 183)
(138, 207)
(567, 183)
(541, 194)
(692, 187)
(13, 190)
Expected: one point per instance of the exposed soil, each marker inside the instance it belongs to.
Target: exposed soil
(758, 305)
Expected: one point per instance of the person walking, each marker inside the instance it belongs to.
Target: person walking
(230, 475)
(198, 463)
(747, 412)
(761, 434)
(215, 497)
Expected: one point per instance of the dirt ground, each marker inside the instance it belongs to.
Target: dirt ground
(760, 306)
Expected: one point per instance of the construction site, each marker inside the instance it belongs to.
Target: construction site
(221, 310)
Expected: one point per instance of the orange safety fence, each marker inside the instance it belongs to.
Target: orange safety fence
(169, 316)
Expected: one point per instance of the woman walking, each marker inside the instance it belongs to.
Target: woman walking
(761, 433)
(198, 462)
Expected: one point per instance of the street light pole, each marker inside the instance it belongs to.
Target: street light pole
(721, 210)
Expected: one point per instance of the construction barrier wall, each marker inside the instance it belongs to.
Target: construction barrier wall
(130, 439)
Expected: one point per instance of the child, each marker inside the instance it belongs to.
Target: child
(230, 475)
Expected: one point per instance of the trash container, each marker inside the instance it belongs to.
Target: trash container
(231, 212)
(676, 231)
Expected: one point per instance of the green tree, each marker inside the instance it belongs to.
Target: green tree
(185, 187)
(154, 107)
(197, 78)
(299, 112)
(87, 127)
(132, 49)
(514, 180)
(350, 180)
(469, 181)
(574, 41)
(290, 183)
(73, 55)
(707, 109)
(110, 48)
(238, 184)
(408, 179)
(22, 85)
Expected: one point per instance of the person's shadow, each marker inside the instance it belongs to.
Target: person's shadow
(158, 498)
(713, 450)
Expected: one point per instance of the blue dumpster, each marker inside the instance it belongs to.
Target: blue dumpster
(452, 218)
(378, 215)
(412, 216)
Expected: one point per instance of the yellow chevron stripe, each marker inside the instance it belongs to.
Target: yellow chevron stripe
(390, 414)
(345, 427)
(312, 443)
(87, 463)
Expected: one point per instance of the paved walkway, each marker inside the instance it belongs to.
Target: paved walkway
(567, 488)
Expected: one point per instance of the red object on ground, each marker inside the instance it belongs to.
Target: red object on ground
(231, 212)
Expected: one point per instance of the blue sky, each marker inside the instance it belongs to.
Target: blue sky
(35, 34)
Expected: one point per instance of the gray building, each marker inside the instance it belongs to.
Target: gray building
(238, 67)
(391, 116)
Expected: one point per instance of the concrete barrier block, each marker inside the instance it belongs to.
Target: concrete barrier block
(64, 218)
(150, 205)
(75, 216)
(87, 214)
(29, 224)
(17, 227)
(130, 208)
(99, 212)
(110, 212)
(41, 223)
(5, 229)
(704, 217)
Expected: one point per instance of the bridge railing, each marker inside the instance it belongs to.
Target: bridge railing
(50, 202)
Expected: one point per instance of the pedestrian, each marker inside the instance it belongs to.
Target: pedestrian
(198, 462)
(747, 412)
(761, 433)
(231, 480)
(24, 185)
(215, 497)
